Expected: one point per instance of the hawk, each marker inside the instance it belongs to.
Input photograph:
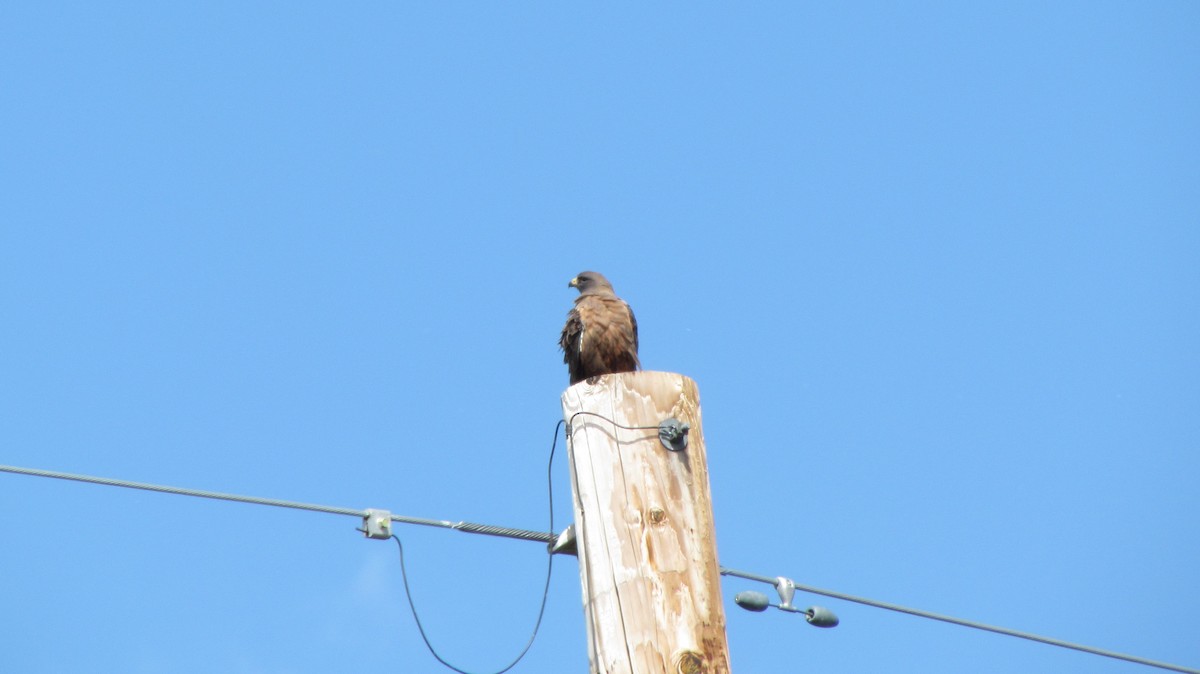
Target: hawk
(600, 336)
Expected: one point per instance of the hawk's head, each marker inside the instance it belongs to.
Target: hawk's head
(591, 283)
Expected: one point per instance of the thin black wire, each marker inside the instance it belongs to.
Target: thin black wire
(545, 590)
(601, 416)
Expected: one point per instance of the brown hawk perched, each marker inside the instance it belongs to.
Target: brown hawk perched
(600, 336)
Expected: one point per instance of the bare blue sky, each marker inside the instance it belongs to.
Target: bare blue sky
(935, 267)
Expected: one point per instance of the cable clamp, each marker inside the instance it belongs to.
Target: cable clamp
(377, 524)
(673, 434)
(566, 543)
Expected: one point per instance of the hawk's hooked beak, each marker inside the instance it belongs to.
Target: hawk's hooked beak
(574, 283)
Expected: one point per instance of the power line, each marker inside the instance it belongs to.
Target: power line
(545, 537)
(959, 621)
(467, 527)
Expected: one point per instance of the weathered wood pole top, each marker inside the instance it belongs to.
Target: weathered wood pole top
(644, 526)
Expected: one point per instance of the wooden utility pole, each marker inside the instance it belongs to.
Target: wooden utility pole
(644, 527)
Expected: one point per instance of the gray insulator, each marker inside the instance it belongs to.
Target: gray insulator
(821, 617)
(752, 601)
